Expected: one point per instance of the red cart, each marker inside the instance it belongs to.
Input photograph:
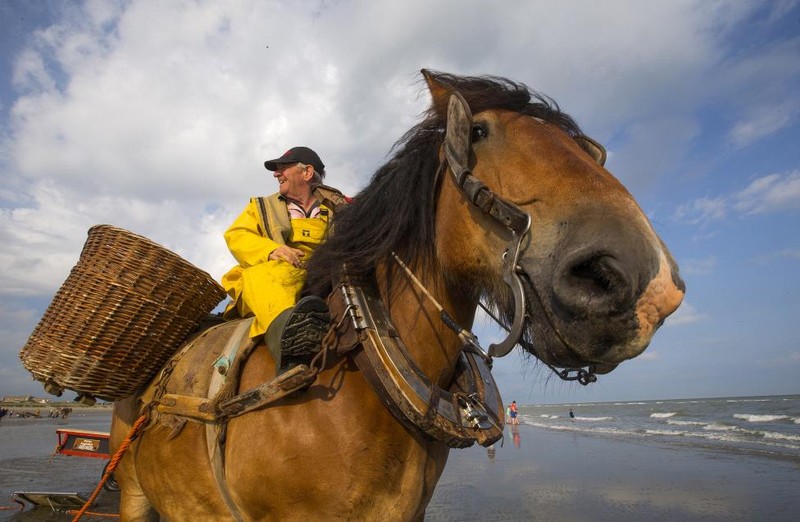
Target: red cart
(86, 443)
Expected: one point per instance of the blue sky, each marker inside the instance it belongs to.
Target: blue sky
(156, 117)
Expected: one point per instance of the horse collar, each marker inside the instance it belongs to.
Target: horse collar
(470, 411)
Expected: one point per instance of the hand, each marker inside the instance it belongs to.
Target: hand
(291, 255)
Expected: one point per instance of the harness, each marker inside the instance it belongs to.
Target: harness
(507, 214)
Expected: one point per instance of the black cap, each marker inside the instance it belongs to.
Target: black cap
(298, 155)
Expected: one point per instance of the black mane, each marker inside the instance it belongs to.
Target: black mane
(397, 210)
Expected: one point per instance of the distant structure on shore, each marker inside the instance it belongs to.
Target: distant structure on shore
(18, 399)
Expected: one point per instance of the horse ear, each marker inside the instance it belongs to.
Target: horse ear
(458, 133)
(440, 92)
(595, 150)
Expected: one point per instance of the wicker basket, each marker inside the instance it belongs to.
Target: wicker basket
(122, 312)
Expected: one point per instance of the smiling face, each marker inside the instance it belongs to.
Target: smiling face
(294, 180)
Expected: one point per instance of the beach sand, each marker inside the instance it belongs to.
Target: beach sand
(535, 475)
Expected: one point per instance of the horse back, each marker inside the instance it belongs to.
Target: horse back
(172, 446)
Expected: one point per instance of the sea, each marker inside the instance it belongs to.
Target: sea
(764, 426)
(729, 458)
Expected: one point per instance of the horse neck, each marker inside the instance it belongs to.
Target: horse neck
(432, 346)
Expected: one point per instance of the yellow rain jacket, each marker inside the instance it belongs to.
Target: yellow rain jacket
(259, 286)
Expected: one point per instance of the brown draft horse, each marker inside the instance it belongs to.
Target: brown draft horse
(595, 278)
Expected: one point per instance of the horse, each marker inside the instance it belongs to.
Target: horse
(495, 198)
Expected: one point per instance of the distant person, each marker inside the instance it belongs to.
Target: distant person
(513, 413)
(571, 414)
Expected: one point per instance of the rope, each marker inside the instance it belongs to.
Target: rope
(132, 434)
(468, 339)
(94, 514)
(20, 507)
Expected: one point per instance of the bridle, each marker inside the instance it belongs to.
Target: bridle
(457, 145)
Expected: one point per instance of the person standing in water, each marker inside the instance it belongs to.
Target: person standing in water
(513, 412)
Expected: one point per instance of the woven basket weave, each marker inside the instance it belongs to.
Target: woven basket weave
(123, 311)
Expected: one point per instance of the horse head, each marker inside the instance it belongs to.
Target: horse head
(587, 281)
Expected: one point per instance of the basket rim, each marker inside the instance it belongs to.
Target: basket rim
(150, 243)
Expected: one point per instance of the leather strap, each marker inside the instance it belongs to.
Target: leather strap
(216, 452)
(471, 411)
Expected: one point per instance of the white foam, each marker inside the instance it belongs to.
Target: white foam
(781, 436)
(666, 432)
(720, 427)
(685, 423)
(759, 418)
(593, 418)
(662, 415)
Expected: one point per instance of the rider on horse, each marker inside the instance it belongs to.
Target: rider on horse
(271, 240)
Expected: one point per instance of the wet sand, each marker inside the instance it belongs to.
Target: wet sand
(535, 475)
(547, 475)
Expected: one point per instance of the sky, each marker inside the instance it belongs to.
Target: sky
(157, 117)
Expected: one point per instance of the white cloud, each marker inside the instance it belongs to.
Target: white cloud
(702, 210)
(771, 193)
(156, 117)
(686, 314)
(763, 121)
(648, 356)
(144, 115)
(699, 266)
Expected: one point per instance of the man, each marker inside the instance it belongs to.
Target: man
(271, 240)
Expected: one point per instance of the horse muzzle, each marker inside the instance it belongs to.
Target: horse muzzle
(604, 301)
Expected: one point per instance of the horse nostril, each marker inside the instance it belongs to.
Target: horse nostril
(592, 285)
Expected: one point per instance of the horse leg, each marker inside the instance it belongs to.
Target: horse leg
(134, 504)
(135, 507)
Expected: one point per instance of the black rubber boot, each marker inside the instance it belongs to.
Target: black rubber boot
(295, 336)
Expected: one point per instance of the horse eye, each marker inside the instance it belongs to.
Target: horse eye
(479, 132)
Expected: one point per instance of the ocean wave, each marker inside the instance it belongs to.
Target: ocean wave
(686, 423)
(593, 418)
(759, 418)
(662, 415)
(714, 426)
(780, 436)
(671, 433)
(572, 426)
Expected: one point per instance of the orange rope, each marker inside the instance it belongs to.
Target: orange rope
(93, 514)
(137, 426)
(59, 447)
